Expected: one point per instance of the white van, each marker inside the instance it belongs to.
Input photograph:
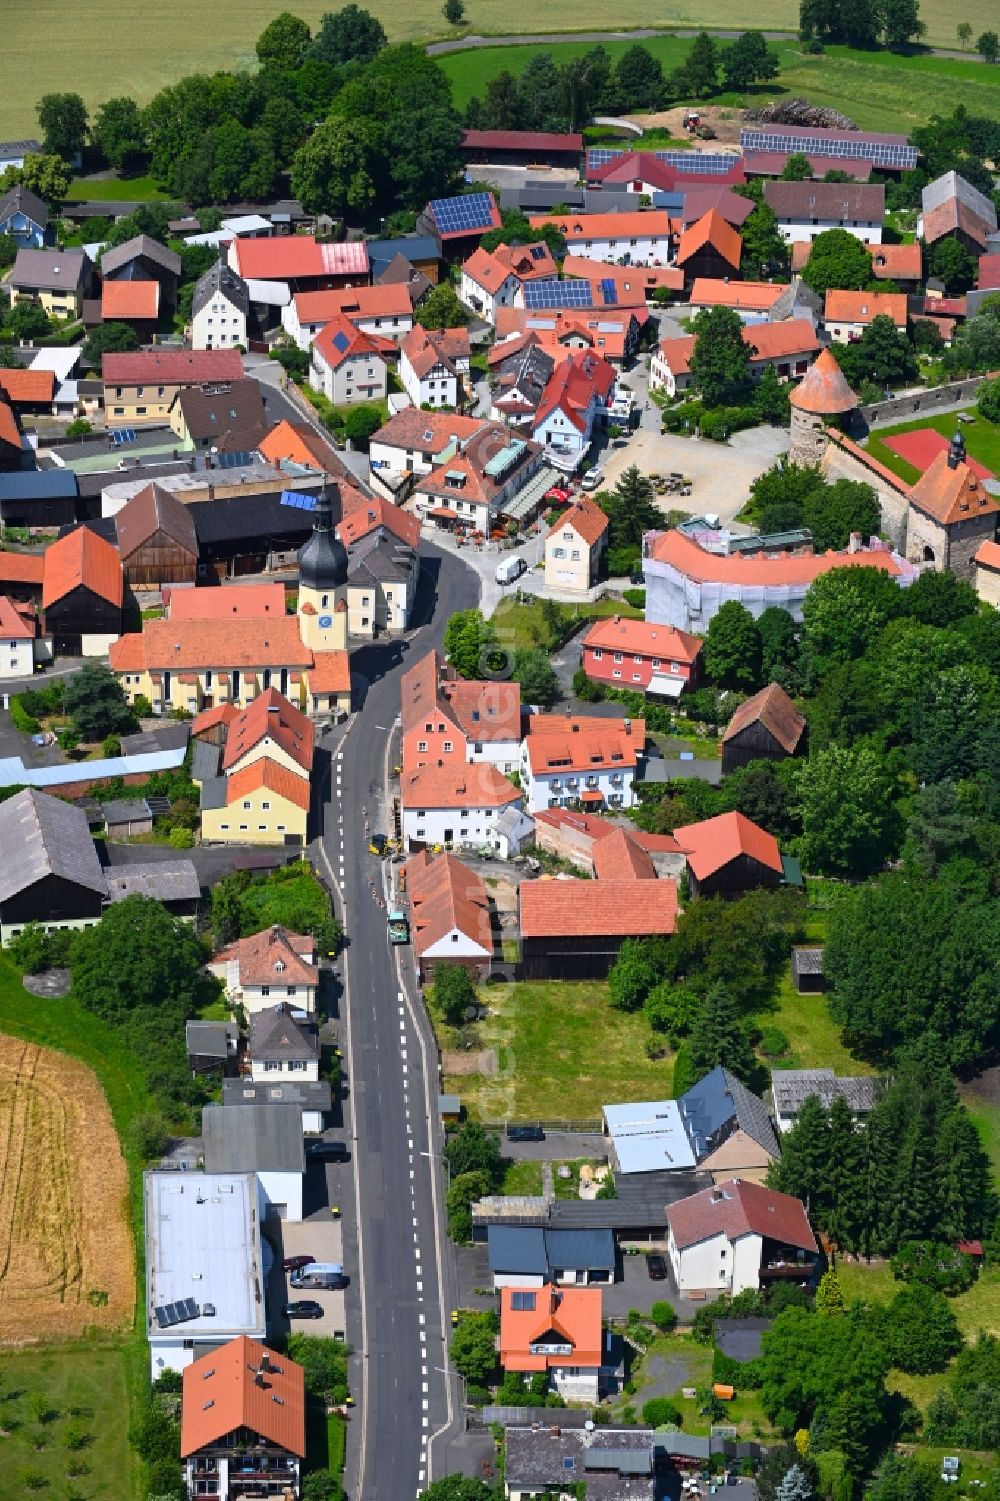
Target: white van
(318, 1274)
(509, 569)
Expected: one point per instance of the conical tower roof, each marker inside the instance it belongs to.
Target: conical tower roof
(823, 391)
(323, 557)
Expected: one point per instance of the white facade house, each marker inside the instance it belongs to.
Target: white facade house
(628, 239)
(347, 366)
(17, 643)
(220, 308)
(385, 312)
(567, 760)
(206, 1264)
(726, 1237)
(805, 210)
(487, 284)
(454, 804)
(433, 366)
(267, 967)
(284, 1044)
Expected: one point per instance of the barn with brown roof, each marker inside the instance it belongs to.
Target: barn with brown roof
(572, 930)
(157, 542)
(767, 727)
(951, 514)
(449, 915)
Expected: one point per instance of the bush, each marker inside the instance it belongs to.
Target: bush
(180, 839)
(988, 404)
(111, 746)
(21, 719)
(663, 1315)
(636, 598)
(141, 707)
(658, 1412)
(719, 424)
(149, 1137)
(773, 1042)
(939, 1267)
(79, 428)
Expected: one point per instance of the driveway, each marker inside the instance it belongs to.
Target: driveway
(320, 1237)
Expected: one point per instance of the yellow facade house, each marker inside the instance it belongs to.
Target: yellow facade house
(264, 803)
(56, 279)
(574, 549)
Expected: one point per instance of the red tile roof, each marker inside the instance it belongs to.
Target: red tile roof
(952, 495)
(772, 708)
(898, 262)
(587, 520)
(738, 1208)
(387, 300)
(340, 340)
(715, 842)
(486, 270)
(364, 514)
(640, 637)
(426, 432)
(863, 307)
(271, 717)
(207, 719)
(9, 430)
(444, 895)
(82, 558)
(569, 1315)
(750, 296)
(130, 299)
(619, 857)
(520, 140)
(632, 282)
(462, 233)
(28, 386)
(485, 711)
(258, 957)
(711, 230)
(531, 262)
(13, 625)
(677, 550)
(561, 744)
(639, 224)
(172, 367)
(229, 601)
(330, 672)
(561, 908)
(423, 348)
(766, 341)
(221, 1395)
(185, 645)
(267, 776)
(823, 390)
(988, 556)
(573, 385)
(592, 826)
(989, 274)
(473, 784)
(301, 444)
(291, 257)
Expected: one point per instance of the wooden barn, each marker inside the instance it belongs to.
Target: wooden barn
(83, 594)
(767, 727)
(728, 855)
(49, 870)
(157, 542)
(572, 930)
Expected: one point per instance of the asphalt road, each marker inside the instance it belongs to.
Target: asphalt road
(394, 1247)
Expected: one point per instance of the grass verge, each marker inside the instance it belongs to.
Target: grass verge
(522, 624)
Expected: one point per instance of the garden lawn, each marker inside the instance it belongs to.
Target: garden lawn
(522, 624)
(562, 1052)
(521, 1177)
(87, 1377)
(985, 1116)
(982, 440)
(977, 1309)
(115, 190)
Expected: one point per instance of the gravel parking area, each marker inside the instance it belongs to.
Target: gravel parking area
(722, 473)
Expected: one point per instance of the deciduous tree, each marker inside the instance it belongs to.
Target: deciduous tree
(748, 61)
(331, 172)
(733, 650)
(849, 825)
(120, 135)
(283, 42)
(837, 259)
(720, 360)
(350, 35)
(63, 118)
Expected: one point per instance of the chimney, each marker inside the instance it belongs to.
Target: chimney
(854, 544)
(616, 620)
(627, 724)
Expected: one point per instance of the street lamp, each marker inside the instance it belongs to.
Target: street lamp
(440, 1157)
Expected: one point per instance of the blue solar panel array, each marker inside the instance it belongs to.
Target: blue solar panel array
(900, 156)
(470, 212)
(556, 294)
(609, 290)
(702, 163)
(298, 501)
(120, 436)
(340, 341)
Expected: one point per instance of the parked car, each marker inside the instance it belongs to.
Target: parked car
(305, 1309)
(592, 478)
(525, 1133)
(656, 1267)
(327, 1151)
(296, 1263)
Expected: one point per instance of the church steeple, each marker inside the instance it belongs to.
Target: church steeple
(323, 557)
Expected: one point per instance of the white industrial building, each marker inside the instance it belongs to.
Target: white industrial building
(206, 1264)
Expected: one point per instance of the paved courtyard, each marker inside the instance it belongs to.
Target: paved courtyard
(322, 1238)
(721, 474)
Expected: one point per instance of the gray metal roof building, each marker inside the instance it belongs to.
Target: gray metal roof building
(309, 1096)
(719, 1104)
(42, 836)
(253, 1138)
(530, 1250)
(163, 880)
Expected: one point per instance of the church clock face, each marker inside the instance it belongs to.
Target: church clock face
(325, 622)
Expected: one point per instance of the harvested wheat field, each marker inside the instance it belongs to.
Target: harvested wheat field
(66, 1256)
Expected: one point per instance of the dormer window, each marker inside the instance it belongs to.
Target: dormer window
(279, 966)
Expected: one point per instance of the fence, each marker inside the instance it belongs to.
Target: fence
(571, 1128)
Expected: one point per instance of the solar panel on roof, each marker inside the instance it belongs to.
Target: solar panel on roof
(299, 501)
(557, 294)
(181, 1312)
(538, 252)
(609, 290)
(341, 341)
(851, 146)
(470, 212)
(714, 164)
(120, 436)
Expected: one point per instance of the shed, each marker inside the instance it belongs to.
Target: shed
(449, 1107)
(211, 1046)
(807, 970)
(261, 1139)
(127, 816)
(175, 883)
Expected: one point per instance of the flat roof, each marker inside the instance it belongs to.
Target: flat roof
(649, 1137)
(203, 1242)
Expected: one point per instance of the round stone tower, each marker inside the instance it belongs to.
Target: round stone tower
(822, 393)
